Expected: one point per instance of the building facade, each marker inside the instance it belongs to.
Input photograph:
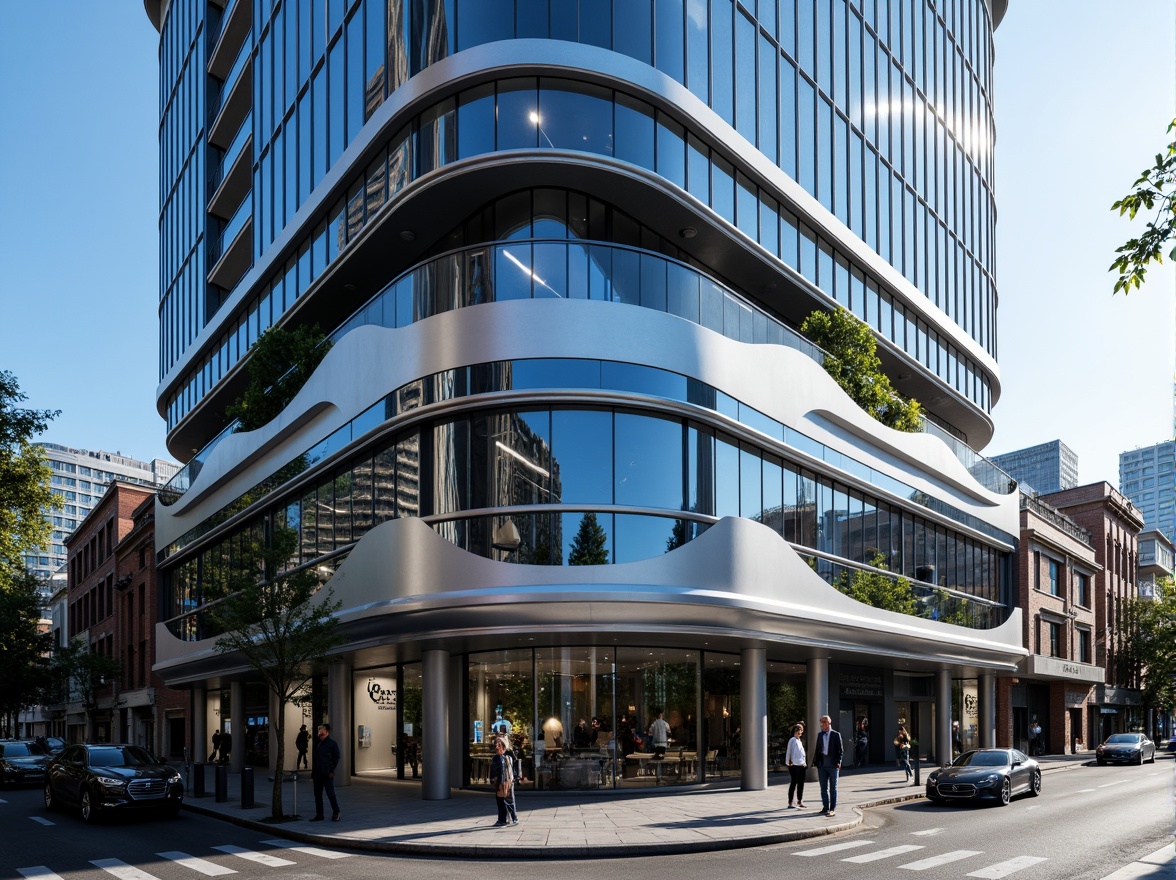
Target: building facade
(1047, 467)
(79, 478)
(1157, 561)
(567, 459)
(1053, 689)
(1114, 524)
(1148, 477)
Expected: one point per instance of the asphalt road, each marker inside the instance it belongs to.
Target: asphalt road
(1087, 823)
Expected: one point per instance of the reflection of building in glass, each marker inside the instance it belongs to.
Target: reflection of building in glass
(567, 452)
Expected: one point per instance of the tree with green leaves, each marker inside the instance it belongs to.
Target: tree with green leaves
(81, 674)
(280, 362)
(25, 495)
(590, 546)
(278, 621)
(24, 649)
(1151, 645)
(1154, 191)
(877, 589)
(851, 358)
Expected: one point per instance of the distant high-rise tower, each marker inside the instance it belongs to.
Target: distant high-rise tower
(1048, 467)
(1148, 477)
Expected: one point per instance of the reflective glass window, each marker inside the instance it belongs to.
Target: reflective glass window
(475, 121)
(518, 113)
(635, 131)
(669, 42)
(723, 59)
(582, 455)
(574, 116)
(671, 149)
(633, 29)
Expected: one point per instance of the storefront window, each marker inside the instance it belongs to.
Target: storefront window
(374, 698)
(652, 684)
(500, 703)
(721, 734)
(410, 756)
(574, 699)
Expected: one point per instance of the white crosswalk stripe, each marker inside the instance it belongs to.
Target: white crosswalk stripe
(201, 866)
(309, 850)
(883, 854)
(837, 847)
(121, 869)
(260, 858)
(1003, 869)
(928, 831)
(41, 820)
(945, 859)
(37, 872)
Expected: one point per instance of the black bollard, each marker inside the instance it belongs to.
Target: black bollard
(246, 787)
(915, 760)
(199, 780)
(222, 783)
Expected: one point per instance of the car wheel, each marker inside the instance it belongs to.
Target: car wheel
(1035, 783)
(50, 799)
(89, 807)
(1006, 793)
(1152, 759)
(1139, 760)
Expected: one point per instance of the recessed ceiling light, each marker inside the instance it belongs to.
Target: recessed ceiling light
(407, 235)
(687, 232)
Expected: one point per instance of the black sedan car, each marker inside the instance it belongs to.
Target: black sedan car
(22, 762)
(993, 775)
(1126, 748)
(101, 778)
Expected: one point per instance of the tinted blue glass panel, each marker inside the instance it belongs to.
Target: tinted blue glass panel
(726, 470)
(669, 39)
(575, 116)
(355, 81)
(512, 272)
(723, 59)
(550, 270)
(648, 460)
(635, 131)
(475, 121)
(700, 472)
(653, 282)
(518, 113)
(698, 48)
(698, 169)
(626, 277)
(750, 485)
(747, 207)
(745, 84)
(484, 21)
(633, 29)
(671, 150)
(596, 23)
(642, 537)
(768, 123)
(682, 290)
(531, 18)
(555, 373)
(723, 188)
(582, 454)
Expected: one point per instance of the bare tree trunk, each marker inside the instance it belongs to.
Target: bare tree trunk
(280, 763)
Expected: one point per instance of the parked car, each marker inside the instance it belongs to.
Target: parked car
(22, 762)
(1126, 748)
(53, 745)
(993, 775)
(100, 778)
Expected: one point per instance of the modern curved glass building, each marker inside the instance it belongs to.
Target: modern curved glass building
(567, 459)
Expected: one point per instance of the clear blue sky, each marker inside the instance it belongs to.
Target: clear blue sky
(1081, 108)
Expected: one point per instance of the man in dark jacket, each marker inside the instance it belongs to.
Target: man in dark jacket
(326, 759)
(827, 754)
(301, 743)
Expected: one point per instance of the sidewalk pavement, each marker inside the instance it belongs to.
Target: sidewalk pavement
(390, 816)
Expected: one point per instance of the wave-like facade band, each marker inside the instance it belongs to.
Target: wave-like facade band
(568, 463)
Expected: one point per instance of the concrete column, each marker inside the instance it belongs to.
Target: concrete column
(457, 734)
(198, 748)
(339, 717)
(753, 679)
(986, 684)
(237, 717)
(817, 681)
(435, 724)
(943, 716)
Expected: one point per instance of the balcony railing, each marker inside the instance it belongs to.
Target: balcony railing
(216, 96)
(218, 245)
(594, 271)
(1055, 518)
(216, 173)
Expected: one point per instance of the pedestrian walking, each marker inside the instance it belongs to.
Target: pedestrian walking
(216, 738)
(322, 773)
(902, 743)
(828, 752)
(797, 765)
(301, 743)
(502, 777)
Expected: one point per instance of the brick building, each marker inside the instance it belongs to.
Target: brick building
(150, 714)
(112, 608)
(1056, 570)
(1114, 523)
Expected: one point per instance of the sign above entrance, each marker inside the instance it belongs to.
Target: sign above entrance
(384, 698)
(861, 684)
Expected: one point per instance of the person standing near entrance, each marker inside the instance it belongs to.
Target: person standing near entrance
(216, 738)
(326, 759)
(828, 750)
(796, 767)
(502, 777)
(301, 743)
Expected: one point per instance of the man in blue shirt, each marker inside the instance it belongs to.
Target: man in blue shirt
(827, 754)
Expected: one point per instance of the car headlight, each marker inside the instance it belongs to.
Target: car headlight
(933, 778)
(174, 779)
(991, 777)
(111, 783)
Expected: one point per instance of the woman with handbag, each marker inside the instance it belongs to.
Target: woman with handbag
(902, 742)
(502, 777)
